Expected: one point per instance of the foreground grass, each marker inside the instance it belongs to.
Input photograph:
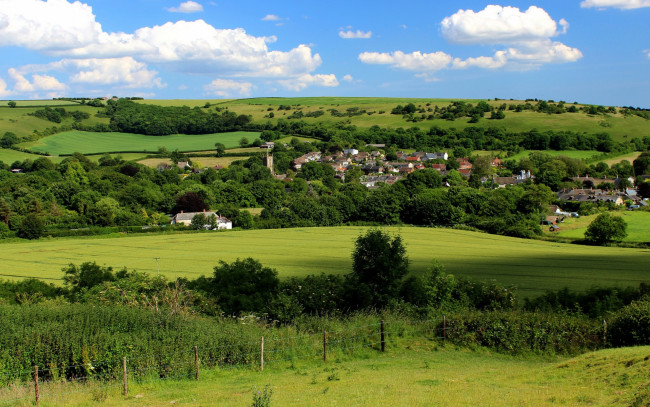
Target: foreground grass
(413, 374)
(532, 265)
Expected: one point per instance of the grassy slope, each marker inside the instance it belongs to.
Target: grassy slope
(619, 127)
(532, 265)
(415, 374)
(88, 143)
(22, 124)
(638, 226)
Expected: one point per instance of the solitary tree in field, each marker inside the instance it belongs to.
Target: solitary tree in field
(606, 228)
(243, 142)
(221, 148)
(379, 262)
(11, 104)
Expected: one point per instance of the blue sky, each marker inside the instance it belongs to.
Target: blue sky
(590, 51)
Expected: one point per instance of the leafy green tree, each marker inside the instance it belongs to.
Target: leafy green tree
(198, 222)
(606, 228)
(642, 164)
(8, 140)
(243, 286)
(243, 142)
(221, 149)
(379, 262)
(11, 104)
(31, 227)
(433, 289)
(85, 276)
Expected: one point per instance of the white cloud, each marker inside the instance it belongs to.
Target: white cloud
(271, 17)
(187, 7)
(226, 87)
(348, 78)
(306, 80)
(124, 72)
(414, 61)
(69, 31)
(47, 25)
(4, 92)
(525, 37)
(622, 4)
(498, 25)
(39, 82)
(355, 34)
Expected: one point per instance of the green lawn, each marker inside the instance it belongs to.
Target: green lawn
(410, 373)
(568, 153)
(94, 143)
(638, 226)
(532, 265)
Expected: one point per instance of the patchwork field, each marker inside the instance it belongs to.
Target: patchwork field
(94, 143)
(533, 266)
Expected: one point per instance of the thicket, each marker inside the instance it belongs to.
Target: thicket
(57, 114)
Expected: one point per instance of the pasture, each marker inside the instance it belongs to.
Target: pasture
(532, 265)
(420, 373)
(638, 226)
(204, 161)
(95, 143)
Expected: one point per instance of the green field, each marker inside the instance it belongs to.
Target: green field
(568, 153)
(94, 143)
(409, 374)
(618, 126)
(638, 226)
(531, 265)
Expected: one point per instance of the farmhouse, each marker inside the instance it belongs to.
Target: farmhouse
(185, 218)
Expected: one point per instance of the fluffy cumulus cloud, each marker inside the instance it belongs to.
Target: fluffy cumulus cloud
(38, 83)
(414, 61)
(4, 91)
(622, 4)
(70, 31)
(358, 34)
(228, 87)
(51, 25)
(498, 25)
(307, 80)
(187, 7)
(525, 38)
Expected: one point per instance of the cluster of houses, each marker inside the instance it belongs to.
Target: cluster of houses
(378, 169)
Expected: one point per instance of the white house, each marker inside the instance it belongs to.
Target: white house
(185, 218)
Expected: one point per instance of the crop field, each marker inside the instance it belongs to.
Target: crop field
(428, 375)
(205, 161)
(638, 226)
(629, 157)
(94, 143)
(532, 265)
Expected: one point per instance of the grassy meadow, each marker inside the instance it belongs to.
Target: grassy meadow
(95, 143)
(532, 265)
(638, 226)
(617, 125)
(408, 374)
(205, 161)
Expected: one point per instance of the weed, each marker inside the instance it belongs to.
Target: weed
(262, 398)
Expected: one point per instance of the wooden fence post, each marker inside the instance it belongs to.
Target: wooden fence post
(36, 392)
(196, 361)
(383, 337)
(444, 329)
(324, 346)
(126, 383)
(262, 355)
(604, 333)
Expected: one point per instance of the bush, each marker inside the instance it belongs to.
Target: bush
(606, 228)
(630, 326)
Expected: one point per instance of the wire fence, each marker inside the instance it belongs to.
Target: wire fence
(54, 383)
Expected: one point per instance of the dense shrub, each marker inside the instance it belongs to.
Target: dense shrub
(630, 326)
(519, 332)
